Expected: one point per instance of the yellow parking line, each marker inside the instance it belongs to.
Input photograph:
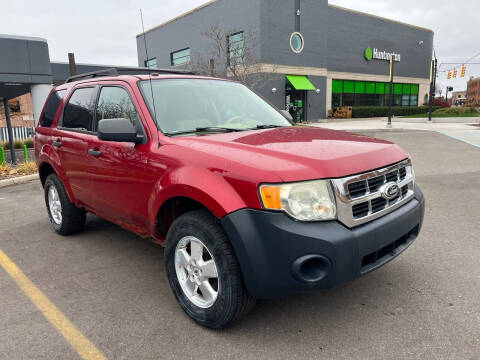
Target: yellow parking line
(75, 338)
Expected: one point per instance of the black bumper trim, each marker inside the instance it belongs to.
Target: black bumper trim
(268, 243)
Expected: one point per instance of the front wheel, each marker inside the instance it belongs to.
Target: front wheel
(203, 271)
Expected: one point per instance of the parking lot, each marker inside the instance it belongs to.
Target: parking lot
(111, 285)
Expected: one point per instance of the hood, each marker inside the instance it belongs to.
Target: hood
(298, 153)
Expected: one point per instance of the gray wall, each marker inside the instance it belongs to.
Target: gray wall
(350, 33)
(186, 31)
(278, 23)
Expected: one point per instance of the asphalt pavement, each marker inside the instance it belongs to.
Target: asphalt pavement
(111, 285)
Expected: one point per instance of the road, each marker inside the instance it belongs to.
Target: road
(112, 286)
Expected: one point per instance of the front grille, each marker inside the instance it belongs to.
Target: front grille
(392, 176)
(359, 198)
(360, 210)
(375, 183)
(357, 189)
(378, 204)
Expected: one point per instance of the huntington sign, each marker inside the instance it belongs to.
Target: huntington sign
(375, 54)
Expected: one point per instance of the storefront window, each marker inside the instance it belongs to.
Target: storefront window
(369, 93)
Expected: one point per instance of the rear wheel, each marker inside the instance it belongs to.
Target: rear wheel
(203, 271)
(64, 216)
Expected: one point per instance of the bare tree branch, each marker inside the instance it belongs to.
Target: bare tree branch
(238, 61)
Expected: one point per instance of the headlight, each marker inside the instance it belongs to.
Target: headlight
(305, 201)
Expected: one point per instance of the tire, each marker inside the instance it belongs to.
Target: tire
(232, 301)
(64, 216)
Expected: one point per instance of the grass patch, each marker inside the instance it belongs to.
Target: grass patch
(450, 113)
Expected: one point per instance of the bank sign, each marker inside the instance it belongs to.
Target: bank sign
(375, 54)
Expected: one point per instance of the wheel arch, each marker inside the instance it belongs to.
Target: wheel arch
(199, 190)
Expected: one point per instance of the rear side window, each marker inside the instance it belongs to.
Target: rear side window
(53, 103)
(114, 103)
(79, 110)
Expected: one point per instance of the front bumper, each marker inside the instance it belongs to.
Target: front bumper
(278, 255)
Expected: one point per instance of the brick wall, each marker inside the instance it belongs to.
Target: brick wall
(22, 118)
(473, 90)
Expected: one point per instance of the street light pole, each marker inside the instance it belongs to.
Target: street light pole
(432, 90)
(9, 129)
(389, 123)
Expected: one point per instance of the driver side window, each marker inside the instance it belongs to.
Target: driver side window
(115, 102)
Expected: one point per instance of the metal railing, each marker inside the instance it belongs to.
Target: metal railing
(19, 133)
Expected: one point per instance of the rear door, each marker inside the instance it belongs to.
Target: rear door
(117, 170)
(76, 126)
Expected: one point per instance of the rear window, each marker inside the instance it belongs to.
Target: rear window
(53, 103)
(79, 110)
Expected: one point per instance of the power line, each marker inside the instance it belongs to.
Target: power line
(463, 63)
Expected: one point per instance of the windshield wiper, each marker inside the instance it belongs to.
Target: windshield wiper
(204, 129)
(271, 126)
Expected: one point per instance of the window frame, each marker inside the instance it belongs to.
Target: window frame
(146, 63)
(95, 88)
(178, 51)
(229, 43)
(60, 104)
(140, 128)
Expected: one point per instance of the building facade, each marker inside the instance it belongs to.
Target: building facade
(318, 56)
(473, 90)
(458, 98)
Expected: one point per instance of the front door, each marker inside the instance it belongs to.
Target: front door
(295, 104)
(117, 170)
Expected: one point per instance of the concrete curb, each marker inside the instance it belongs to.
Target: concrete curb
(18, 180)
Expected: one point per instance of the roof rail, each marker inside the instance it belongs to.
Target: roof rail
(124, 71)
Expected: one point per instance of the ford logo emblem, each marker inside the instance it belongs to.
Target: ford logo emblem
(390, 190)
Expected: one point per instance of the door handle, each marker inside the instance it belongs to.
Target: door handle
(57, 143)
(94, 152)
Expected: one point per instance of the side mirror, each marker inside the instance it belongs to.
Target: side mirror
(287, 115)
(119, 130)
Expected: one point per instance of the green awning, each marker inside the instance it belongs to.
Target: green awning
(300, 82)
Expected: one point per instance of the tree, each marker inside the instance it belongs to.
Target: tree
(233, 54)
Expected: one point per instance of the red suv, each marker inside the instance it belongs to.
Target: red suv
(247, 205)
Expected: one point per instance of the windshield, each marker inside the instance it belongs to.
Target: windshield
(193, 105)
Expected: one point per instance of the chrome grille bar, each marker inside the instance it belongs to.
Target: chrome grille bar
(345, 202)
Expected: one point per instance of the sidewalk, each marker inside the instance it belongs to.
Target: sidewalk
(457, 128)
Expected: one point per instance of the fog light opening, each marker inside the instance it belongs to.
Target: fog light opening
(311, 268)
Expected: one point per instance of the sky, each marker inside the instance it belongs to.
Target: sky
(103, 31)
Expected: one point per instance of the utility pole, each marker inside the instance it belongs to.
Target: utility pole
(432, 89)
(389, 123)
(72, 64)
(10, 133)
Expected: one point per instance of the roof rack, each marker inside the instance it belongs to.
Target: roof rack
(124, 71)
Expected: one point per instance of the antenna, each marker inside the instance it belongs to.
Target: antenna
(149, 74)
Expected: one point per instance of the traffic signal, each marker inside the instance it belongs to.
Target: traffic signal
(455, 73)
(464, 69)
(449, 75)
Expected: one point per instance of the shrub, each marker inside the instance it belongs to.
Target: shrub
(27, 168)
(382, 111)
(18, 144)
(29, 143)
(5, 170)
(439, 103)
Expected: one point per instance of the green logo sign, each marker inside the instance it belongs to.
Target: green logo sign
(369, 53)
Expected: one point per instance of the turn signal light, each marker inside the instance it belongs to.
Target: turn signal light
(271, 197)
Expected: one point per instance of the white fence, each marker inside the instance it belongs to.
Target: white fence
(19, 133)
